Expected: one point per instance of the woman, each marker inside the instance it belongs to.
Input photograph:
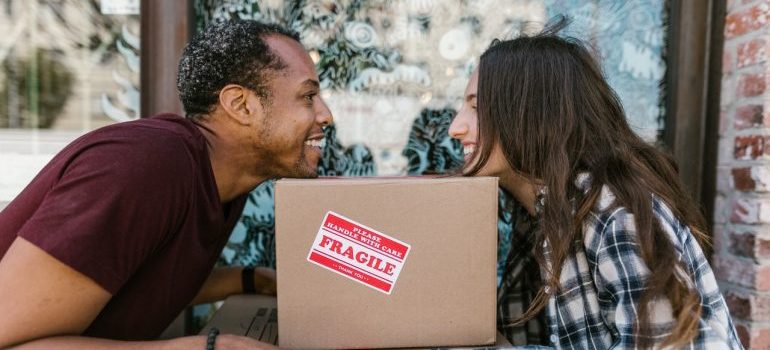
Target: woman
(616, 239)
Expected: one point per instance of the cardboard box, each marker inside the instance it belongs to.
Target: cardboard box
(386, 262)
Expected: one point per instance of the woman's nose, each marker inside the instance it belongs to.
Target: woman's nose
(458, 128)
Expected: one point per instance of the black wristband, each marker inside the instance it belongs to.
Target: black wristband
(247, 280)
(213, 333)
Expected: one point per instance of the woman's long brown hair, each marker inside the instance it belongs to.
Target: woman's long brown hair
(544, 99)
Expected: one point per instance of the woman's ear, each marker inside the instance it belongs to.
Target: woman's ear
(233, 99)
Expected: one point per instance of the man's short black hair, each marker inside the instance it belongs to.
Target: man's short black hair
(234, 52)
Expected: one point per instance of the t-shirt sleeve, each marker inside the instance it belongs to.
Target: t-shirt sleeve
(115, 203)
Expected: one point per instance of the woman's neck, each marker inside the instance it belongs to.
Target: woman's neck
(522, 189)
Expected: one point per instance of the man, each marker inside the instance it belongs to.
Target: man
(120, 231)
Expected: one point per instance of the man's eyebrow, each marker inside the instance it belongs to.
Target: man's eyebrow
(311, 83)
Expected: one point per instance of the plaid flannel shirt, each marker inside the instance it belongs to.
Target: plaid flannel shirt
(521, 279)
(601, 283)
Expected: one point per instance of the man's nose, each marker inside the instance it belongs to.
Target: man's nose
(324, 116)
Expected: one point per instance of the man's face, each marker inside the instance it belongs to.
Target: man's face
(289, 138)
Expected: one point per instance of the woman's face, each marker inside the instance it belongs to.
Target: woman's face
(465, 128)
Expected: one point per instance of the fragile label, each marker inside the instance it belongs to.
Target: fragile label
(358, 252)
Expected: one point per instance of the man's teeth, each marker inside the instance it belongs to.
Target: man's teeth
(321, 143)
(468, 149)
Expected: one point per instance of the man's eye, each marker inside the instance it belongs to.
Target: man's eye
(309, 98)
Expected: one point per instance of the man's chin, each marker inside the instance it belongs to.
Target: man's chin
(304, 172)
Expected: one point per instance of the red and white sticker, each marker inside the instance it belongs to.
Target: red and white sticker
(358, 252)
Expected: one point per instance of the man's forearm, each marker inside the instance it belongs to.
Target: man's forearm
(222, 282)
(78, 343)
(226, 281)
(223, 342)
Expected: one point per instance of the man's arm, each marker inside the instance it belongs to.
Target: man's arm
(40, 296)
(46, 304)
(223, 342)
(226, 281)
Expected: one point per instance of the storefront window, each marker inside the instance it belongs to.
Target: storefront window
(66, 67)
(383, 64)
(630, 39)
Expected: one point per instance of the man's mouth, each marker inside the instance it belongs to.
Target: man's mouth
(319, 142)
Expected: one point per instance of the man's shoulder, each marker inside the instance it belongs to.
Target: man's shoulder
(162, 127)
(161, 136)
(158, 147)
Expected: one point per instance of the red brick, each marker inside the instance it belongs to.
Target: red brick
(739, 305)
(753, 336)
(749, 244)
(760, 307)
(742, 206)
(748, 306)
(741, 244)
(743, 211)
(746, 21)
(750, 85)
(762, 278)
(762, 248)
(730, 269)
(756, 179)
(752, 52)
(742, 180)
(750, 210)
(739, 213)
(745, 273)
(751, 147)
(742, 272)
(761, 176)
(749, 116)
(736, 24)
(727, 62)
(744, 333)
(765, 120)
(760, 339)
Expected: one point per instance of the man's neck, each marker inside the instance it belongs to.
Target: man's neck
(232, 167)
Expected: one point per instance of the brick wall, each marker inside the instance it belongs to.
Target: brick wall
(742, 210)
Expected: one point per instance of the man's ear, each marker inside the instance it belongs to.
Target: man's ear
(233, 99)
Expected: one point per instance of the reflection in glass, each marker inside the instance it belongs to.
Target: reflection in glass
(66, 66)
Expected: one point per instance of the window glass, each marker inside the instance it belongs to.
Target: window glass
(383, 64)
(66, 67)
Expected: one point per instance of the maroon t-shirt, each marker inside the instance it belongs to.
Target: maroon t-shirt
(134, 206)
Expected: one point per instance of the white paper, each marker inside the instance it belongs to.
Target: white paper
(120, 7)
